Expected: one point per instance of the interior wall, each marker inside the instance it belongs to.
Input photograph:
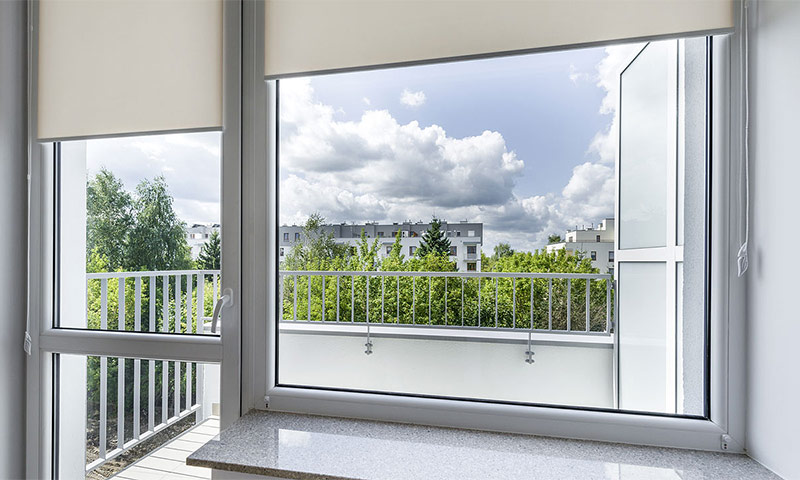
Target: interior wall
(773, 416)
(13, 218)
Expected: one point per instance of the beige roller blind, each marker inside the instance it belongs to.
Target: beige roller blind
(317, 35)
(111, 67)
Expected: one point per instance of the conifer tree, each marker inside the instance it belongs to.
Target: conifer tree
(434, 240)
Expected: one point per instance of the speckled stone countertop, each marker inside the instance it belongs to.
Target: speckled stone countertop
(310, 447)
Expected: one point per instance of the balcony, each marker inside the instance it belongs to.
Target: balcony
(447, 324)
(171, 407)
(549, 337)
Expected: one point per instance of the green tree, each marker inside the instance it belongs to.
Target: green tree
(157, 240)
(317, 249)
(434, 240)
(109, 218)
(554, 238)
(501, 250)
(211, 253)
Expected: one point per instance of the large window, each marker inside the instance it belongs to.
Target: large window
(518, 152)
(138, 250)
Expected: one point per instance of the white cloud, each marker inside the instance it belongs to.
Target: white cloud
(412, 99)
(366, 101)
(190, 163)
(575, 75)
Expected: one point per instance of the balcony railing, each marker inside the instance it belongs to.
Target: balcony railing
(176, 302)
(533, 303)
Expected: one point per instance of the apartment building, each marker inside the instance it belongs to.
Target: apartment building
(596, 243)
(198, 234)
(466, 239)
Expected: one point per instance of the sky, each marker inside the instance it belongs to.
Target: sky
(525, 144)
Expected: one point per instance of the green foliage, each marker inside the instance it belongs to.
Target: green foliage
(501, 250)
(434, 240)
(210, 253)
(554, 238)
(109, 218)
(158, 238)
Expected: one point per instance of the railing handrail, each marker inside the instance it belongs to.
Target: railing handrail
(149, 273)
(383, 273)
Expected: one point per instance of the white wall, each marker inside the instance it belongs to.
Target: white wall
(13, 153)
(773, 413)
(563, 374)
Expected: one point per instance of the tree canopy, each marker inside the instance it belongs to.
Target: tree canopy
(554, 238)
(211, 253)
(434, 240)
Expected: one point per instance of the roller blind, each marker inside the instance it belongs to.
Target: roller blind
(303, 36)
(110, 67)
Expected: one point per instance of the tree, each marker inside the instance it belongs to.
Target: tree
(109, 218)
(554, 238)
(157, 240)
(501, 250)
(211, 253)
(434, 240)
(317, 249)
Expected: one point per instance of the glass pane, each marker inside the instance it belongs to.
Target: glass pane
(145, 416)
(645, 141)
(139, 232)
(645, 343)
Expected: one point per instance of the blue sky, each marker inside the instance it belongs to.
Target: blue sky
(524, 144)
(546, 117)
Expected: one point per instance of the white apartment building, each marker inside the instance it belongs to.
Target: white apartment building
(198, 234)
(597, 243)
(465, 239)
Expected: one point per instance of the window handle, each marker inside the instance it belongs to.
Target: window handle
(225, 301)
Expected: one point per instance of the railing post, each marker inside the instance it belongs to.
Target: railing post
(608, 304)
(588, 304)
(479, 301)
(121, 370)
(383, 296)
(514, 302)
(201, 303)
(295, 297)
(413, 300)
(323, 298)
(549, 303)
(569, 304)
(151, 381)
(337, 297)
(445, 300)
(178, 302)
(308, 305)
(496, 296)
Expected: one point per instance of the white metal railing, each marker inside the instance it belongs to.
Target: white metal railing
(527, 302)
(181, 408)
(182, 306)
(182, 310)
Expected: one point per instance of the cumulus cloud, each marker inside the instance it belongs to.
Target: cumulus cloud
(377, 169)
(412, 99)
(190, 163)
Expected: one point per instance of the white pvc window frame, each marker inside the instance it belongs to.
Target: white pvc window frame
(723, 431)
(48, 341)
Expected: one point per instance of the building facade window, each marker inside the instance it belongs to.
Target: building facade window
(285, 237)
(472, 249)
(611, 256)
(472, 267)
(281, 252)
(593, 255)
(412, 250)
(296, 237)
(597, 238)
(453, 251)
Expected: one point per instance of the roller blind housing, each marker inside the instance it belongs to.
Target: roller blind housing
(128, 66)
(304, 36)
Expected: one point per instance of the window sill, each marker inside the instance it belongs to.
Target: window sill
(284, 445)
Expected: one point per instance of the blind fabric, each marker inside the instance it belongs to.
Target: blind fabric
(110, 67)
(304, 36)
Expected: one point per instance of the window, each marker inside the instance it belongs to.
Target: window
(611, 256)
(286, 237)
(388, 250)
(380, 234)
(430, 289)
(297, 237)
(126, 262)
(281, 252)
